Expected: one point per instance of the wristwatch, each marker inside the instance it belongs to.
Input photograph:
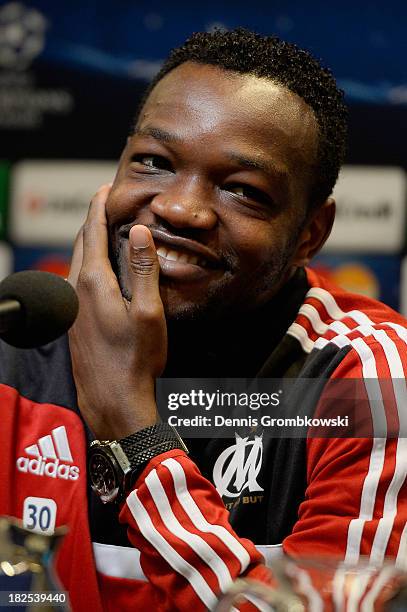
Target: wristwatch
(114, 465)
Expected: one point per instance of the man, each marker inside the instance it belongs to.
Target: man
(192, 264)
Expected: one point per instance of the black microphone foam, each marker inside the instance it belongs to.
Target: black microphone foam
(49, 306)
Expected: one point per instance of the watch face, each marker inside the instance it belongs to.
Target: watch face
(103, 477)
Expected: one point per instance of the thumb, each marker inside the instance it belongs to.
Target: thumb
(144, 266)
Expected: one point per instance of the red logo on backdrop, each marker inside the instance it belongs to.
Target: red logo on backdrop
(352, 276)
(53, 263)
(34, 203)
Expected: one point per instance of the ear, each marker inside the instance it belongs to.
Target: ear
(315, 233)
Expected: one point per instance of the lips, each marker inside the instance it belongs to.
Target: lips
(176, 248)
(181, 258)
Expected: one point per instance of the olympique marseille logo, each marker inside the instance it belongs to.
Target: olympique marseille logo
(238, 467)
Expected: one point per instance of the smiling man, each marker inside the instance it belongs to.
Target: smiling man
(220, 167)
(192, 264)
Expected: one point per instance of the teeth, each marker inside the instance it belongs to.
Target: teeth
(181, 257)
(172, 255)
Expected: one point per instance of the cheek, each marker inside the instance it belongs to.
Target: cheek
(123, 201)
(264, 247)
(115, 206)
(255, 243)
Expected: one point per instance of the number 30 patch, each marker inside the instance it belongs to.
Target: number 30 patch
(39, 514)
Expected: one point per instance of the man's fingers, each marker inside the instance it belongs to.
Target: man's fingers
(76, 261)
(145, 271)
(95, 237)
(96, 283)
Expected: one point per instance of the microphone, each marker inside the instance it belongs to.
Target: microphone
(35, 308)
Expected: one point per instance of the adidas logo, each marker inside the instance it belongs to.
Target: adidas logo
(47, 455)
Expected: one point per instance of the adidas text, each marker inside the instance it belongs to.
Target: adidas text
(52, 468)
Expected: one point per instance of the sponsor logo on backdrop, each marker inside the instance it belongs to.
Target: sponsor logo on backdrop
(370, 210)
(238, 466)
(23, 103)
(49, 456)
(22, 35)
(354, 209)
(352, 276)
(375, 275)
(57, 264)
(38, 204)
(50, 199)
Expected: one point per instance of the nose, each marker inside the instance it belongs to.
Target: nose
(185, 206)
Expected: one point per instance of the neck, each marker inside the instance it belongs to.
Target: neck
(236, 346)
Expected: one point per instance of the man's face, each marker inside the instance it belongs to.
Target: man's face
(219, 170)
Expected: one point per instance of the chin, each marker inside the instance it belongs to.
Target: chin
(209, 304)
(178, 309)
(192, 312)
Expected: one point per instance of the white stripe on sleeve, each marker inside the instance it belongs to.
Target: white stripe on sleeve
(377, 455)
(197, 518)
(384, 576)
(365, 327)
(178, 564)
(198, 544)
(401, 560)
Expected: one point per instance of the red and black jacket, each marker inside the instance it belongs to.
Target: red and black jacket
(175, 543)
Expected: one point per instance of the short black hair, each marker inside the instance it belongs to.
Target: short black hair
(246, 52)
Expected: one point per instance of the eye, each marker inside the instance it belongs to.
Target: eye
(248, 192)
(153, 162)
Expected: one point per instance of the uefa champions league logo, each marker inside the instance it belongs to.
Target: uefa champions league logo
(22, 35)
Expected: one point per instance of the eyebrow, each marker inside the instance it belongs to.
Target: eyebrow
(255, 163)
(157, 133)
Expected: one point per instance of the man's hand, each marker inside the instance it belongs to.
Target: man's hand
(117, 348)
